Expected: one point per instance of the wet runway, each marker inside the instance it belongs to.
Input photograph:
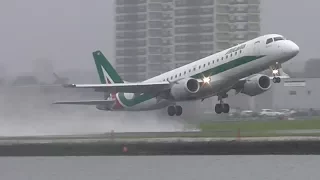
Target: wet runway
(135, 144)
(31, 126)
(134, 137)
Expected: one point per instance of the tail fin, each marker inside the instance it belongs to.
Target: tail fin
(56, 75)
(103, 64)
(60, 80)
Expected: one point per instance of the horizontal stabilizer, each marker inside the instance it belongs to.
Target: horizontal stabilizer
(141, 87)
(89, 102)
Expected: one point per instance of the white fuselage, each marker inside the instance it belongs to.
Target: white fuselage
(224, 68)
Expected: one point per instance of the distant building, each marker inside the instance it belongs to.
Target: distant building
(2, 81)
(131, 39)
(297, 93)
(154, 36)
(311, 68)
(25, 80)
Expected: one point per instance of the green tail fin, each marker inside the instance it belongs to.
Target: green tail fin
(111, 74)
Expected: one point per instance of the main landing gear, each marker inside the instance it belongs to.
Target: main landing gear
(174, 110)
(222, 107)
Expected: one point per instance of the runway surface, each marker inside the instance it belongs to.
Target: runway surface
(31, 126)
(191, 136)
(136, 144)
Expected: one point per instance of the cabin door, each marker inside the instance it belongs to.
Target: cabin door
(256, 48)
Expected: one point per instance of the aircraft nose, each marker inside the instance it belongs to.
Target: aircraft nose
(295, 48)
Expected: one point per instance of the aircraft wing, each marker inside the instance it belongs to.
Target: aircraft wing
(239, 85)
(270, 77)
(87, 102)
(140, 87)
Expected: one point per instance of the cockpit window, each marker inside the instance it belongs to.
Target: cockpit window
(270, 40)
(278, 38)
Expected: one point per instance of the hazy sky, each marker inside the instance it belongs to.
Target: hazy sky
(67, 31)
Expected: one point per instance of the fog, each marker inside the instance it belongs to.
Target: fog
(66, 32)
(39, 37)
(28, 111)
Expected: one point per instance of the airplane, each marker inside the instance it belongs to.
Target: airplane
(235, 68)
(60, 80)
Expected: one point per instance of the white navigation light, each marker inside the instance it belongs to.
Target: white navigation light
(275, 71)
(206, 80)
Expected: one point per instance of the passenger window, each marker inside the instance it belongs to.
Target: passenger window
(213, 62)
(176, 76)
(208, 63)
(204, 65)
(270, 40)
(199, 67)
(226, 56)
(240, 51)
(185, 72)
(194, 69)
(235, 53)
(180, 74)
(231, 55)
(171, 77)
(189, 70)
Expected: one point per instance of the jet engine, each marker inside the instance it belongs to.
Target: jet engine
(256, 85)
(184, 89)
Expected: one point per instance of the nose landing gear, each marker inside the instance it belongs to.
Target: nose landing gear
(276, 72)
(276, 79)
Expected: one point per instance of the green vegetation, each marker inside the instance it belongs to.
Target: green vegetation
(226, 135)
(262, 126)
(234, 129)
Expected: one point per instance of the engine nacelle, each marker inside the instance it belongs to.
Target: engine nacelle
(256, 85)
(184, 89)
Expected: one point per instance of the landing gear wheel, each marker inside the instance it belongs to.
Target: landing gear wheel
(178, 110)
(218, 108)
(222, 107)
(226, 108)
(276, 79)
(171, 110)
